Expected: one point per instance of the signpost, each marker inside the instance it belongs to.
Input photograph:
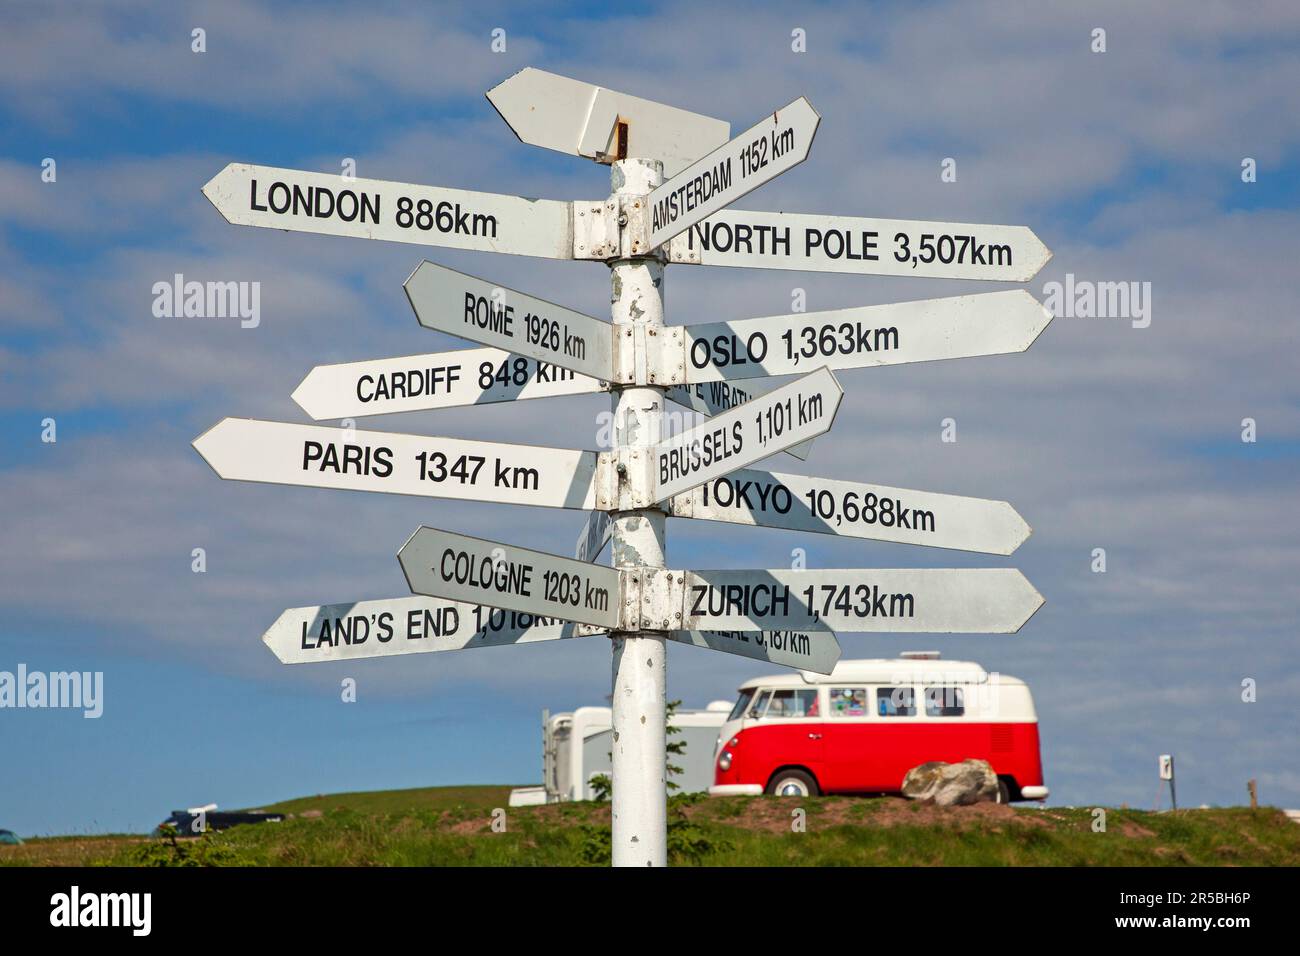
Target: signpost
(785, 416)
(812, 650)
(449, 301)
(761, 153)
(937, 601)
(472, 592)
(856, 510)
(710, 398)
(456, 566)
(317, 456)
(922, 331)
(854, 244)
(595, 535)
(333, 205)
(573, 117)
(415, 383)
(409, 625)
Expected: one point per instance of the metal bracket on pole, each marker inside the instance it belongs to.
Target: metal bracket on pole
(681, 249)
(595, 229)
(634, 219)
(652, 599)
(619, 473)
(649, 356)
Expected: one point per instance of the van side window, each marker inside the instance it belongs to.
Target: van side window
(848, 702)
(944, 702)
(793, 703)
(896, 701)
(760, 704)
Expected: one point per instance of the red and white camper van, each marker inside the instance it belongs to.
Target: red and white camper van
(861, 728)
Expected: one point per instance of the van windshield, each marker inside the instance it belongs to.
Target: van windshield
(741, 705)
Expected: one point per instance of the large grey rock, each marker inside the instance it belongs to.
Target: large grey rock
(952, 784)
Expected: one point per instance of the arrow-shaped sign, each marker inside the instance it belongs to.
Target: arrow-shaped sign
(409, 625)
(776, 143)
(595, 535)
(712, 398)
(456, 566)
(317, 456)
(786, 416)
(811, 650)
(965, 600)
(856, 510)
(581, 119)
(302, 201)
(449, 301)
(903, 247)
(961, 326)
(436, 380)
(424, 625)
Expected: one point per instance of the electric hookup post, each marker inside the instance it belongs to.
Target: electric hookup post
(675, 175)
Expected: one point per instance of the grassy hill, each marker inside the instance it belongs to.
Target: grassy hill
(453, 826)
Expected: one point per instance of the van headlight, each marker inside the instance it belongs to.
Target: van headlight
(724, 760)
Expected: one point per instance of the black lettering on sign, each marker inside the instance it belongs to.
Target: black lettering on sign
(342, 459)
(317, 202)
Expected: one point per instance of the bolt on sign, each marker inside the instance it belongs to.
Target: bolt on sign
(468, 592)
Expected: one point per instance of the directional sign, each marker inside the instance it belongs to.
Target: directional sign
(793, 413)
(246, 449)
(446, 565)
(710, 398)
(958, 327)
(813, 650)
(302, 201)
(438, 380)
(904, 247)
(764, 151)
(578, 118)
(856, 510)
(449, 301)
(966, 600)
(409, 625)
(595, 535)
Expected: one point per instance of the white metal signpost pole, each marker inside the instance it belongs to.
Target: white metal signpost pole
(639, 797)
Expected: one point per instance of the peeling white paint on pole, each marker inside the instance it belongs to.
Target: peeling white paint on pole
(639, 809)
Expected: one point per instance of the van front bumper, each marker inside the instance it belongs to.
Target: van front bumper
(735, 790)
(1033, 793)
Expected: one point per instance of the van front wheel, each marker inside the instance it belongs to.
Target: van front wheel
(792, 783)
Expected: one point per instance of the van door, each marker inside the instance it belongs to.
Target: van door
(849, 755)
(787, 732)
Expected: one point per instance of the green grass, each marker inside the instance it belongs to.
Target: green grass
(452, 826)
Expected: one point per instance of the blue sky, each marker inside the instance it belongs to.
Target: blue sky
(1126, 163)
